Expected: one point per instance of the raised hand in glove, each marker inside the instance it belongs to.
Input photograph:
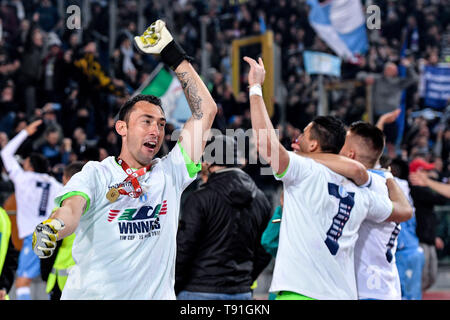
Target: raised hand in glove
(158, 40)
(45, 236)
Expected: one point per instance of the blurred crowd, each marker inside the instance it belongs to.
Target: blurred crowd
(70, 80)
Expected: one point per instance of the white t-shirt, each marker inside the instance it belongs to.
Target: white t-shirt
(34, 191)
(126, 249)
(322, 214)
(376, 271)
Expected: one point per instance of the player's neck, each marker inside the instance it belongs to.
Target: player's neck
(366, 164)
(131, 161)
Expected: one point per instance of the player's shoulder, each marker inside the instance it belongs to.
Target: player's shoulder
(105, 164)
(305, 162)
(95, 170)
(174, 155)
(378, 181)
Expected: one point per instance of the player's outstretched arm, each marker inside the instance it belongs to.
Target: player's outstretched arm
(158, 40)
(61, 224)
(7, 153)
(420, 178)
(402, 210)
(269, 147)
(344, 166)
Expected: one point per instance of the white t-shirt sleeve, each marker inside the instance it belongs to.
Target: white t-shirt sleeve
(83, 183)
(380, 207)
(298, 169)
(13, 167)
(181, 167)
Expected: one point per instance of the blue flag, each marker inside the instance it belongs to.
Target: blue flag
(341, 24)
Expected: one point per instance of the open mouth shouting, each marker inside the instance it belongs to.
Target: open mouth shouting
(150, 146)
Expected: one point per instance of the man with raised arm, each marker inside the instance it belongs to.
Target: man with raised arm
(322, 210)
(124, 210)
(34, 190)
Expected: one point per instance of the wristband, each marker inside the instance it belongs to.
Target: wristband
(255, 90)
(173, 54)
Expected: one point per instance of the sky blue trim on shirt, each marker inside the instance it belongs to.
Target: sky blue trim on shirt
(378, 172)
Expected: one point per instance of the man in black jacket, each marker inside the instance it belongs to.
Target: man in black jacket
(219, 252)
(425, 199)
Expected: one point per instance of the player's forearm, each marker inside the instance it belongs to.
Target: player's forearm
(70, 223)
(70, 213)
(203, 108)
(197, 94)
(268, 145)
(11, 147)
(344, 166)
(402, 210)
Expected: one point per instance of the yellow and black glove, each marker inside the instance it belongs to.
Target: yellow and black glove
(45, 236)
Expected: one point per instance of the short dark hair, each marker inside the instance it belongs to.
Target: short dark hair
(73, 168)
(329, 132)
(372, 136)
(125, 110)
(400, 168)
(39, 163)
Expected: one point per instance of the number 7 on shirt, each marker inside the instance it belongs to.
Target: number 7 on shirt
(346, 203)
(44, 198)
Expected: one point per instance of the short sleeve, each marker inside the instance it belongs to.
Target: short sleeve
(82, 184)
(297, 170)
(183, 169)
(380, 207)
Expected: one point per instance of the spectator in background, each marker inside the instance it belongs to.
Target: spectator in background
(387, 89)
(219, 252)
(30, 71)
(51, 148)
(425, 199)
(126, 62)
(9, 64)
(80, 141)
(111, 143)
(48, 17)
(52, 64)
(8, 109)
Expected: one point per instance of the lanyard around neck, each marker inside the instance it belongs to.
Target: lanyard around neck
(132, 177)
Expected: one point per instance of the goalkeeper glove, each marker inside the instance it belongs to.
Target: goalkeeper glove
(45, 236)
(158, 40)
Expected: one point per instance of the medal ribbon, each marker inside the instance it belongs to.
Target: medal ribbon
(132, 177)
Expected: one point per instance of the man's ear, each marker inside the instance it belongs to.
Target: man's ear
(313, 146)
(121, 127)
(351, 154)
